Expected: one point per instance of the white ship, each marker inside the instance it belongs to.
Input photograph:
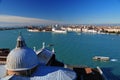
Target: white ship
(33, 30)
(58, 30)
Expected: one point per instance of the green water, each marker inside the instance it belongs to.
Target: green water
(72, 48)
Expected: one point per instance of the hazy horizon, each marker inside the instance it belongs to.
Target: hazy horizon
(59, 12)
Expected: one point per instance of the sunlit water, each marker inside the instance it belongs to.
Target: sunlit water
(71, 48)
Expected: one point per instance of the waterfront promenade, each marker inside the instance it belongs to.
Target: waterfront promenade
(70, 28)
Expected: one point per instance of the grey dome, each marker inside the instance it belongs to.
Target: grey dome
(21, 58)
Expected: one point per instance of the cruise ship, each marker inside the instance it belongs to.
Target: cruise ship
(58, 30)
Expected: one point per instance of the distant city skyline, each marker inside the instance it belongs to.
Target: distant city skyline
(60, 11)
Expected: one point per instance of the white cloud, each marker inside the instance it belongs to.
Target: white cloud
(24, 20)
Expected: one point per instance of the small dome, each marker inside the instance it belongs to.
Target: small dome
(22, 57)
(44, 55)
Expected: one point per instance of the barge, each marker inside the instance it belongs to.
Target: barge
(101, 58)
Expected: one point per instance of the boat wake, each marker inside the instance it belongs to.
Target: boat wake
(114, 60)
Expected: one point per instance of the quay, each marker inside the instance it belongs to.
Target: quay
(100, 29)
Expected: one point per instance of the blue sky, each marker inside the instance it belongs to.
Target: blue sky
(61, 11)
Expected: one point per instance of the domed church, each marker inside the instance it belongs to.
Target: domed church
(23, 64)
(21, 60)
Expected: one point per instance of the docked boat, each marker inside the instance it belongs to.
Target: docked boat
(58, 30)
(101, 58)
(33, 30)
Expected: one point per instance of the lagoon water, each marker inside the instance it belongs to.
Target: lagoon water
(72, 48)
